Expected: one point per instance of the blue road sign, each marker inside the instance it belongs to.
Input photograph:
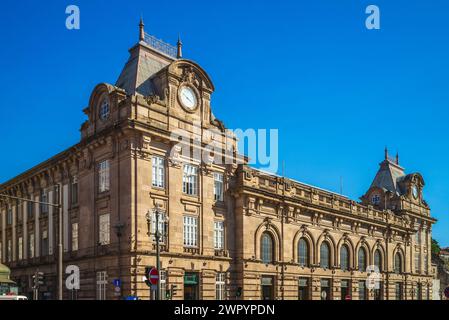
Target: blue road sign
(446, 292)
(116, 282)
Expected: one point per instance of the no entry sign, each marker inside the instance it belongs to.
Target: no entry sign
(154, 276)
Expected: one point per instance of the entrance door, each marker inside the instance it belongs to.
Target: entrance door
(191, 287)
(267, 288)
(325, 289)
(345, 291)
(303, 289)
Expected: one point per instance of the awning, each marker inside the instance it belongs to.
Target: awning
(5, 280)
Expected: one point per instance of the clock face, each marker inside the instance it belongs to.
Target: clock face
(415, 192)
(188, 98)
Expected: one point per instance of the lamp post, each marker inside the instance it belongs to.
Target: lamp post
(157, 236)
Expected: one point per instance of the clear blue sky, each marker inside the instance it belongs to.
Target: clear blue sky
(337, 92)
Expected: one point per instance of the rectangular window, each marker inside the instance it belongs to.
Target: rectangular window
(103, 176)
(218, 187)
(220, 286)
(102, 282)
(158, 172)
(30, 210)
(362, 290)
(20, 248)
(19, 210)
(162, 228)
(104, 230)
(426, 263)
(44, 249)
(44, 199)
(9, 217)
(31, 246)
(56, 194)
(74, 191)
(418, 237)
(9, 251)
(417, 262)
(303, 289)
(190, 180)
(345, 289)
(163, 284)
(219, 235)
(190, 231)
(325, 289)
(74, 236)
(399, 291)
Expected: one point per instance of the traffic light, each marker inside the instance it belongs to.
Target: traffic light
(173, 290)
(168, 294)
(147, 276)
(239, 292)
(38, 279)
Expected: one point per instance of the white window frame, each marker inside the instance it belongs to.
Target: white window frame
(190, 180)
(219, 235)
(220, 286)
(191, 231)
(20, 248)
(9, 251)
(74, 191)
(102, 282)
(31, 251)
(104, 229)
(218, 186)
(75, 236)
(104, 176)
(105, 109)
(163, 284)
(375, 199)
(158, 172)
(162, 226)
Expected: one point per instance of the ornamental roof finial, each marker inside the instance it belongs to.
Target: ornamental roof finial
(179, 45)
(141, 30)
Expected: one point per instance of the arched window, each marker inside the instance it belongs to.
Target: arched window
(344, 257)
(378, 259)
(303, 252)
(266, 248)
(362, 259)
(398, 263)
(325, 255)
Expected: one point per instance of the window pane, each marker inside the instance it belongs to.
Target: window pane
(303, 252)
(362, 259)
(378, 260)
(344, 258)
(324, 255)
(267, 248)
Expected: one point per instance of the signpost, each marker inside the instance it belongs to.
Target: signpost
(154, 277)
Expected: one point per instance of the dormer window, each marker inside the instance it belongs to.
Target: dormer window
(375, 200)
(104, 109)
(415, 192)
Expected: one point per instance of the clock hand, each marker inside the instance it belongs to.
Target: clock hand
(188, 98)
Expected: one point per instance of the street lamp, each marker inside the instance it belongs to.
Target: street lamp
(157, 236)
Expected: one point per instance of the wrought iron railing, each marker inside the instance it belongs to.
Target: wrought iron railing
(160, 45)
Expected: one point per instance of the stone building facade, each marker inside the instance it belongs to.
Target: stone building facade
(229, 231)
